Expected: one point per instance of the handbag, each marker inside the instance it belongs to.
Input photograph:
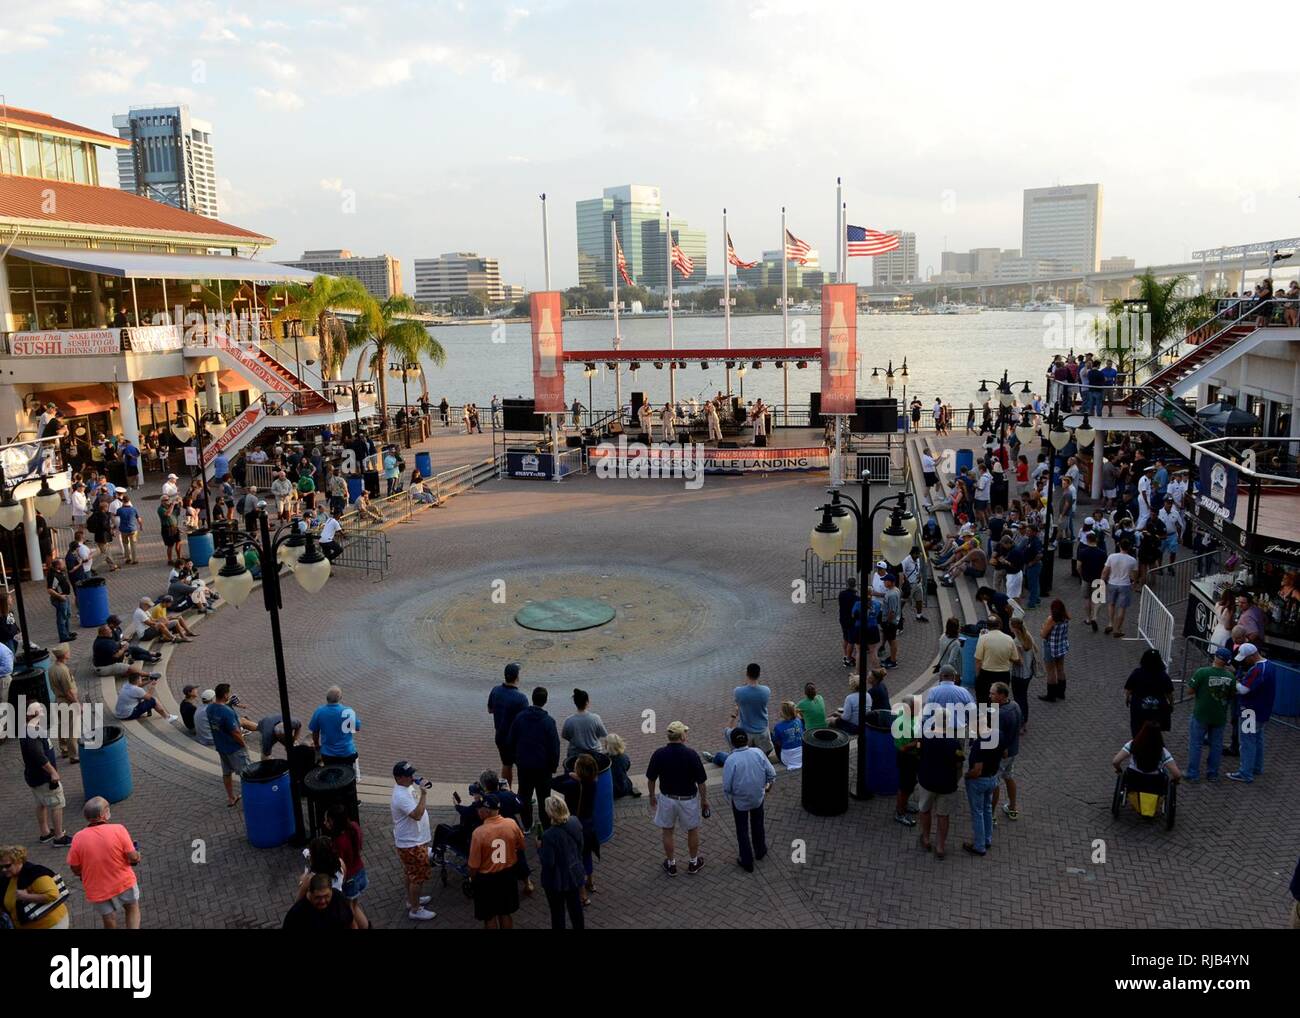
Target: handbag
(33, 911)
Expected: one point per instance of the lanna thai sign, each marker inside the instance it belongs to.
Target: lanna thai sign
(70, 343)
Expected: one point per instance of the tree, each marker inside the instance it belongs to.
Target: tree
(386, 328)
(319, 303)
(1164, 314)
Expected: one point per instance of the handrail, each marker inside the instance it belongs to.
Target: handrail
(1238, 311)
(1140, 398)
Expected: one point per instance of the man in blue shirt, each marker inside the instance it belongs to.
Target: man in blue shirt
(332, 726)
(228, 738)
(751, 709)
(746, 777)
(848, 628)
(504, 704)
(128, 525)
(220, 466)
(1255, 694)
(534, 743)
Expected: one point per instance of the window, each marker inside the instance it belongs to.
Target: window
(49, 157)
(31, 155)
(80, 166)
(10, 155)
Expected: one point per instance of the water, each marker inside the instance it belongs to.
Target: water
(946, 356)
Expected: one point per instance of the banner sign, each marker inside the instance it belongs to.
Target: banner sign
(154, 338)
(839, 348)
(237, 427)
(1217, 492)
(65, 344)
(546, 309)
(251, 367)
(632, 459)
(27, 459)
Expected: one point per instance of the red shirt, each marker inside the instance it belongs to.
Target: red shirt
(347, 843)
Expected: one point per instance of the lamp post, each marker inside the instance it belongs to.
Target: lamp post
(1057, 438)
(187, 426)
(234, 583)
(740, 373)
(404, 368)
(1005, 400)
(889, 382)
(589, 372)
(828, 538)
(293, 330)
(11, 518)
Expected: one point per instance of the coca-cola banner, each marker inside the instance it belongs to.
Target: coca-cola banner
(546, 309)
(839, 348)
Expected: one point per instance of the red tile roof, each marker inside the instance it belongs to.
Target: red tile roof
(28, 198)
(20, 117)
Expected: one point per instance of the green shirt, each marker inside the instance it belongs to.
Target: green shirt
(901, 741)
(306, 485)
(814, 713)
(1214, 688)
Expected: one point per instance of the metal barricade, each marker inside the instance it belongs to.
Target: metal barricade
(1156, 624)
(824, 579)
(259, 475)
(1172, 582)
(365, 550)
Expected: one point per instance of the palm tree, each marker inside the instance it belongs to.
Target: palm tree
(1165, 313)
(386, 328)
(320, 302)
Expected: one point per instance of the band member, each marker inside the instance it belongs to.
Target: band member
(668, 421)
(715, 425)
(645, 415)
(759, 417)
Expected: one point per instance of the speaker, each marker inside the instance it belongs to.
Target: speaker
(876, 416)
(638, 398)
(728, 445)
(519, 415)
(760, 441)
(815, 419)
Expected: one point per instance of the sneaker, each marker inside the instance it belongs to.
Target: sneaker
(904, 819)
(421, 914)
(155, 675)
(708, 757)
(891, 663)
(425, 899)
(1245, 779)
(1012, 814)
(922, 618)
(45, 839)
(846, 661)
(670, 868)
(695, 867)
(1231, 752)
(63, 842)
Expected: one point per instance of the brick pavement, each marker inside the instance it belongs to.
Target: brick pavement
(1227, 863)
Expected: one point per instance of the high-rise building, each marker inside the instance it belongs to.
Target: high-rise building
(899, 265)
(638, 211)
(954, 261)
(768, 271)
(169, 159)
(381, 275)
(457, 274)
(1117, 263)
(1062, 225)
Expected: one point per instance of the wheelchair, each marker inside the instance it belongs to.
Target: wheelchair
(1151, 795)
(449, 855)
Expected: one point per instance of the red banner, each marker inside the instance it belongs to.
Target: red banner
(546, 309)
(237, 427)
(839, 348)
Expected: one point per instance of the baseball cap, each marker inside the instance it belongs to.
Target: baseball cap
(882, 564)
(1223, 653)
(1089, 522)
(187, 690)
(171, 477)
(208, 695)
(1245, 651)
(678, 728)
(403, 769)
(492, 801)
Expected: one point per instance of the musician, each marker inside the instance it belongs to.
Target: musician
(759, 416)
(668, 421)
(715, 425)
(645, 414)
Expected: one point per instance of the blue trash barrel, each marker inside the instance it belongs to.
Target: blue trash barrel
(882, 756)
(965, 459)
(970, 637)
(106, 767)
(92, 602)
(355, 487)
(268, 803)
(602, 813)
(201, 545)
(424, 464)
(1286, 701)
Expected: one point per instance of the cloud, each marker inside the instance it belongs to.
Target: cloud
(514, 16)
(282, 99)
(29, 37)
(112, 71)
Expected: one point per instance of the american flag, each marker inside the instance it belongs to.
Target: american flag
(682, 262)
(863, 242)
(796, 250)
(622, 262)
(734, 258)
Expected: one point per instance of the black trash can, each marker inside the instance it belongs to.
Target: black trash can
(825, 772)
(371, 479)
(30, 683)
(327, 785)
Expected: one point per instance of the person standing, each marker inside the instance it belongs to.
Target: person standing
(891, 618)
(677, 772)
(560, 849)
(104, 857)
(583, 731)
(42, 777)
(1118, 577)
(411, 836)
(983, 757)
(1023, 671)
(495, 849)
(332, 726)
(534, 745)
(1091, 561)
(750, 712)
(504, 704)
(746, 777)
(68, 697)
(228, 739)
(59, 588)
(1010, 725)
(1213, 687)
(848, 598)
(1256, 691)
(995, 653)
(1056, 645)
(913, 585)
(938, 769)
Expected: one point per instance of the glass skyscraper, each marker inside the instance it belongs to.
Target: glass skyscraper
(638, 210)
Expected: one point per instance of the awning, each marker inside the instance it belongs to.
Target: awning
(79, 402)
(233, 381)
(147, 265)
(163, 390)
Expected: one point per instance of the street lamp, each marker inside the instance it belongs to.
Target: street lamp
(11, 518)
(1006, 400)
(1058, 437)
(404, 368)
(589, 373)
(234, 583)
(292, 329)
(187, 426)
(827, 540)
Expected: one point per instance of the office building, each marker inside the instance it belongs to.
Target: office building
(954, 262)
(458, 274)
(169, 158)
(381, 275)
(899, 265)
(768, 272)
(638, 211)
(1117, 263)
(1063, 225)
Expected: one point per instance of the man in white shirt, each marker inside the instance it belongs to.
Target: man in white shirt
(983, 493)
(169, 488)
(411, 836)
(330, 538)
(1177, 490)
(929, 473)
(1118, 577)
(911, 569)
(1069, 499)
(1144, 497)
(1173, 523)
(80, 505)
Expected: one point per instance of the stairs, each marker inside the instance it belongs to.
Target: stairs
(267, 373)
(1174, 376)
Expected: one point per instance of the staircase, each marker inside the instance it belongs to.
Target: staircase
(1175, 376)
(264, 371)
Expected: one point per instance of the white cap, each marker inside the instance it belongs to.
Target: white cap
(1246, 650)
(208, 695)
(171, 477)
(1089, 522)
(882, 564)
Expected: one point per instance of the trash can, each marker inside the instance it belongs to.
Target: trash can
(602, 812)
(92, 602)
(355, 487)
(424, 464)
(201, 545)
(965, 459)
(1286, 701)
(371, 478)
(268, 803)
(825, 789)
(39, 660)
(32, 685)
(327, 785)
(105, 764)
(970, 636)
(882, 757)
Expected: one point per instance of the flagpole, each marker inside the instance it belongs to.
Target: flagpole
(618, 368)
(726, 291)
(841, 255)
(844, 238)
(785, 310)
(672, 343)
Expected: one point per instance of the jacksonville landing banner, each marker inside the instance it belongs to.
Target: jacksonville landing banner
(546, 309)
(634, 460)
(839, 348)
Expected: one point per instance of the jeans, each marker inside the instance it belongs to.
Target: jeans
(562, 901)
(750, 821)
(1252, 753)
(63, 618)
(1196, 733)
(1020, 693)
(1236, 724)
(1032, 573)
(143, 707)
(1069, 525)
(534, 780)
(979, 793)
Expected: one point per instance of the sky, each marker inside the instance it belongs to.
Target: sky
(417, 128)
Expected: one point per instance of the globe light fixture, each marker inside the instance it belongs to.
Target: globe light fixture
(1026, 432)
(234, 582)
(48, 501)
(216, 425)
(826, 538)
(1059, 437)
(313, 568)
(292, 548)
(910, 523)
(11, 513)
(182, 431)
(1085, 433)
(844, 521)
(895, 541)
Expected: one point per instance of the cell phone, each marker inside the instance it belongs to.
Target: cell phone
(455, 797)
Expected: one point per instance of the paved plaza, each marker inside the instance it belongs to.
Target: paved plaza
(702, 582)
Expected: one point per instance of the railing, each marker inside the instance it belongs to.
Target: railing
(1156, 624)
(825, 579)
(365, 550)
(1232, 312)
(1143, 400)
(259, 475)
(1172, 582)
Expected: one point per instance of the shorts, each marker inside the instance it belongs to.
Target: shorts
(507, 758)
(907, 767)
(670, 812)
(763, 740)
(233, 763)
(931, 479)
(981, 505)
(495, 894)
(131, 896)
(873, 635)
(52, 798)
(889, 630)
(1007, 768)
(936, 802)
(354, 885)
(1110, 493)
(1015, 584)
(415, 863)
(1119, 596)
(1170, 544)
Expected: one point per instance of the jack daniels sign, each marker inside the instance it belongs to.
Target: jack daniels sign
(1275, 549)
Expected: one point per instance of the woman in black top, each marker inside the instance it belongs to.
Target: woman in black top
(1149, 693)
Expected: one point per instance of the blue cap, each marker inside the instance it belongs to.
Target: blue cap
(1223, 653)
